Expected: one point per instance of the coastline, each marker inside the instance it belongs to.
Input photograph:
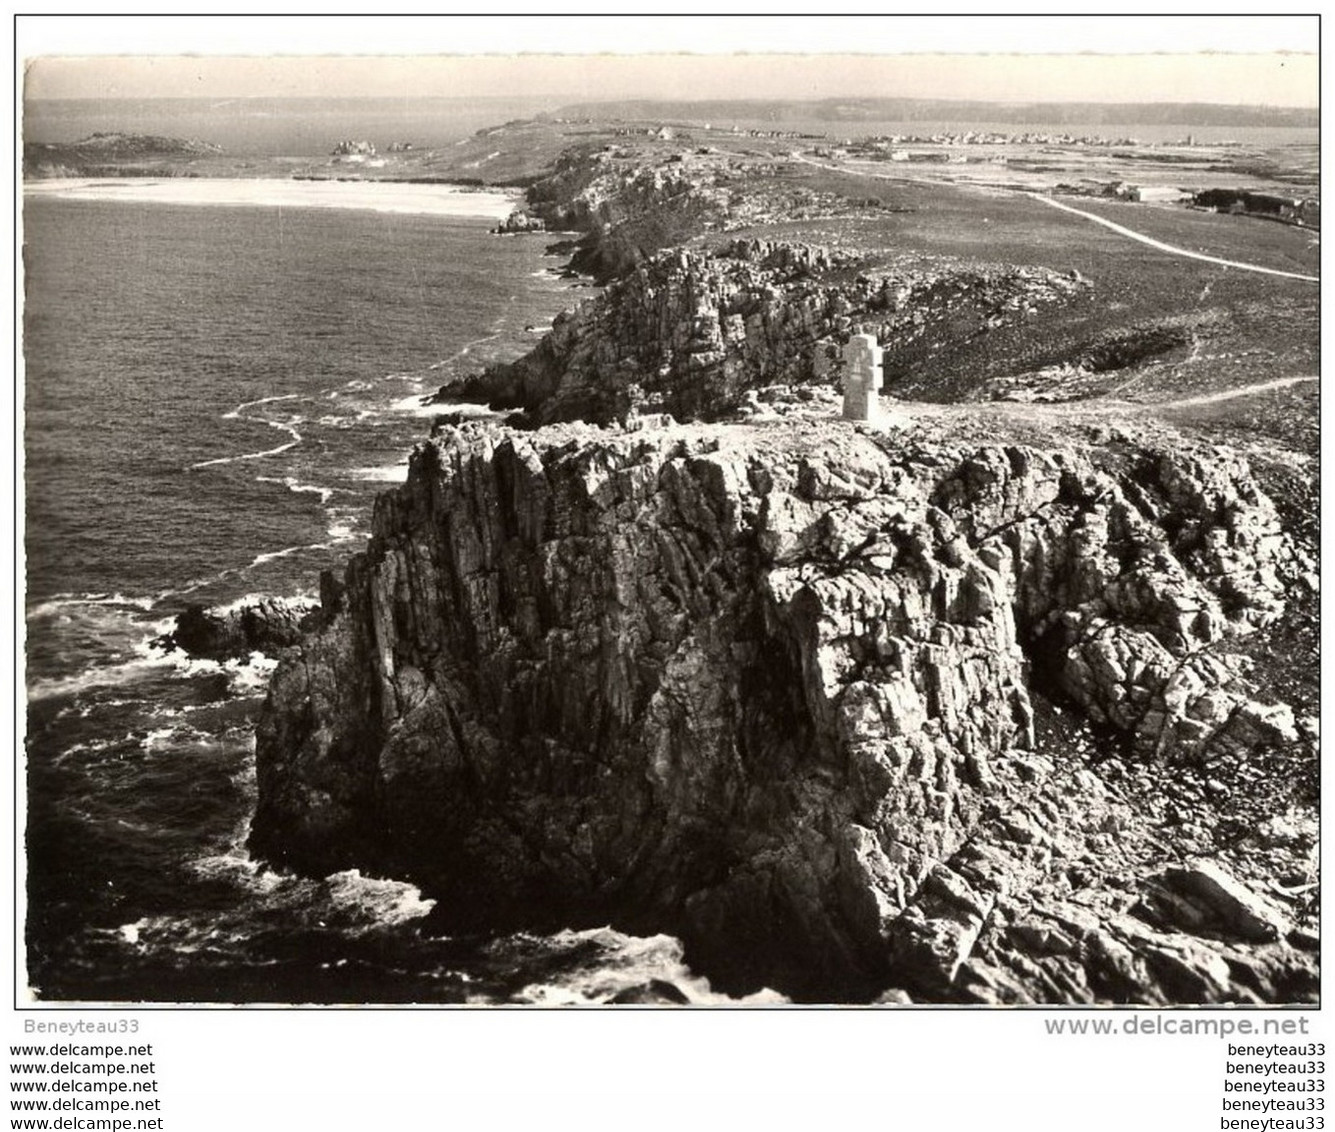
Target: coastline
(374, 196)
(145, 707)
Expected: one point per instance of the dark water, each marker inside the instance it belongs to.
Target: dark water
(213, 397)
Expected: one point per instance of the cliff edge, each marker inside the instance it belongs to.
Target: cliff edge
(992, 703)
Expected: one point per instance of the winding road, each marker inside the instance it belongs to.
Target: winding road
(1107, 407)
(1170, 249)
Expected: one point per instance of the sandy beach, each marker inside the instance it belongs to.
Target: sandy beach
(376, 196)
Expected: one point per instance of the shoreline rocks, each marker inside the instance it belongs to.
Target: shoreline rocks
(268, 626)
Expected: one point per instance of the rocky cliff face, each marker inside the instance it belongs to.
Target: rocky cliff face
(691, 333)
(630, 205)
(784, 690)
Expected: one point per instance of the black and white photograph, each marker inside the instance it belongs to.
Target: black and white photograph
(742, 529)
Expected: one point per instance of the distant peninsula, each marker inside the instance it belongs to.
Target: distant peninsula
(114, 154)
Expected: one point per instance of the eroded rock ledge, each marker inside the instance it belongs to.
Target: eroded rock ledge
(773, 689)
(691, 332)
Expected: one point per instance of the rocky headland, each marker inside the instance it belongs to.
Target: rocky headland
(115, 154)
(984, 704)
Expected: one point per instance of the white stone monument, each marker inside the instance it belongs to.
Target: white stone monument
(862, 378)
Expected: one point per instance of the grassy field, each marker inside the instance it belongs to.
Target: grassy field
(1155, 325)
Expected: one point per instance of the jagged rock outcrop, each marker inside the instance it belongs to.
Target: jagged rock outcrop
(233, 633)
(520, 221)
(771, 689)
(630, 205)
(690, 333)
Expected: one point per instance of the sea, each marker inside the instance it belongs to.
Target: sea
(216, 389)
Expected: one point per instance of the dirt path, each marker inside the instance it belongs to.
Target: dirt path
(1231, 394)
(1094, 407)
(1169, 248)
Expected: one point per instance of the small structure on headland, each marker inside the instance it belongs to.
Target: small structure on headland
(862, 378)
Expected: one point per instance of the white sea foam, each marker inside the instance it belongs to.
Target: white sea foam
(235, 414)
(249, 599)
(236, 866)
(287, 428)
(286, 552)
(104, 676)
(158, 737)
(292, 484)
(415, 406)
(60, 603)
(361, 902)
(374, 196)
(129, 632)
(464, 351)
(251, 674)
(382, 902)
(606, 962)
(198, 584)
(393, 473)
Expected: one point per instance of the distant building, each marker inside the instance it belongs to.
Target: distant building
(1158, 193)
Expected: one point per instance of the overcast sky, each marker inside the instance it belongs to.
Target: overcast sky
(1188, 59)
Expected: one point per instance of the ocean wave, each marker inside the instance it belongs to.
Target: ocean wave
(392, 473)
(498, 327)
(252, 673)
(198, 584)
(235, 414)
(384, 903)
(347, 900)
(253, 598)
(103, 676)
(79, 752)
(120, 632)
(59, 603)
(286, 552)
(172, 735)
